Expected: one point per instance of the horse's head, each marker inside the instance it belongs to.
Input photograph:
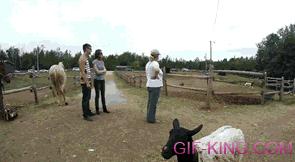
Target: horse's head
(61, 65)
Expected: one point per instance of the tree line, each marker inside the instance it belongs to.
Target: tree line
(275, 55)
(47, 58)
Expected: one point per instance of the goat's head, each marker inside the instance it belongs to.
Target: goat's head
(178, 134)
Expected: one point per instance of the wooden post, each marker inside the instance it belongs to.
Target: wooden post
(264, 88)
(282, 89)
(34, 88)
(209, 86)
(1, 97)
(165, 81)
(134, 80)
(140, 80)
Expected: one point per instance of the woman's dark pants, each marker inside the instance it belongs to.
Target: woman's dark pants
(153, 96)
(99, 86)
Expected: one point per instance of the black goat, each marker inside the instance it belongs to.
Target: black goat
(180, 139)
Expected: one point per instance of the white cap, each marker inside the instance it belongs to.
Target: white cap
(155, 52)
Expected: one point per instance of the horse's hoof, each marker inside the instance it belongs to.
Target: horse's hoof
(66, 103)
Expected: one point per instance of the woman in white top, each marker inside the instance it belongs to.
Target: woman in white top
(154, 83)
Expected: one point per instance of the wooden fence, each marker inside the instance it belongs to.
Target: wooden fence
(282, 84)
(279, 84)
(33, 87)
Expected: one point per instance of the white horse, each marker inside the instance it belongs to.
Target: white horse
(58, 79)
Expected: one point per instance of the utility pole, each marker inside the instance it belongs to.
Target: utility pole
(210, 51)
(37, 53)
(210, 80)
(206, 67)
(20, 58)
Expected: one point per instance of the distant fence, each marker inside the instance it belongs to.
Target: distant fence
(137, 78)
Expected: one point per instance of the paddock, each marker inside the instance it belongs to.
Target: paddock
(55, 133)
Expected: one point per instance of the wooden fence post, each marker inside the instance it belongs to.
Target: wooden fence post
(264, 88)
(140, 80)
(165, 81)
(34, 88)
(127, 77)
(134, 80)
(1, 98)
(282, 89)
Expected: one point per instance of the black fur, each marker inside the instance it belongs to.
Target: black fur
(179, 134)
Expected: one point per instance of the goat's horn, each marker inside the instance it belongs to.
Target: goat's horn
(196, 130)
(175, 124)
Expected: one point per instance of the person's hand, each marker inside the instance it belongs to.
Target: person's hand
(155, 77)
(88, 85)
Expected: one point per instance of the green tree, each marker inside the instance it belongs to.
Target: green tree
(276, 53)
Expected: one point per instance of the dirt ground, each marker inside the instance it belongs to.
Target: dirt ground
(47, 132)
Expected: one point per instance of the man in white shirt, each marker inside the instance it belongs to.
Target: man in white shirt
(154, 83)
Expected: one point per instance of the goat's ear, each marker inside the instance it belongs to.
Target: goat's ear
(175, 123)
(195, 131)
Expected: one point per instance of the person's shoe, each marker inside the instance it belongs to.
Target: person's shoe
(153, 121)
(97, 113)
(87, 118)
(106, 111)
(91, 114)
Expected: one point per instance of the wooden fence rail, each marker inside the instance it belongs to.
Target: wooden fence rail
(17, 90)
(240, 72)
(189, 76)
(203, 90)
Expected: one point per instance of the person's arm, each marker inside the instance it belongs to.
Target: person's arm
(105, 69)
(82, 70)
(97, 71)
(157, 70)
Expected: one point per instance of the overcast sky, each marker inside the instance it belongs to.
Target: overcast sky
(180, 29)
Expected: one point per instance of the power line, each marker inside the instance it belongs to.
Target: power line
(216, 12)
(214, 24)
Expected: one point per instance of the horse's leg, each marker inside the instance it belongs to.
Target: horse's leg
(64, 97)
(58, 96)
(53, 92)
